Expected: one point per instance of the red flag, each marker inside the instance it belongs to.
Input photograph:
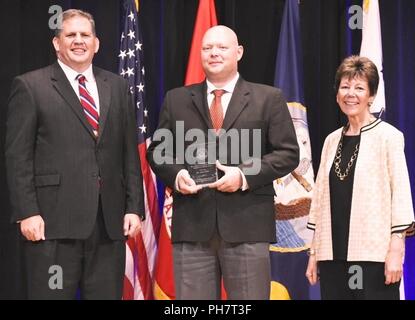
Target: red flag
(164, 279)
(205, 19)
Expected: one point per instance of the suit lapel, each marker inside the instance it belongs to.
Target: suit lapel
(104, 92)
(64, 88)
(237, 104)
(200, 101)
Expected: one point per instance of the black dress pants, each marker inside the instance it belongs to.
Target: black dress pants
(66, 268)
(343, 280)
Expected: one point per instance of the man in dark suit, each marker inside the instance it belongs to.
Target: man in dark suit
(73, 169)
(224, 231)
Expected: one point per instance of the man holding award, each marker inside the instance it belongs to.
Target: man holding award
(220, 144)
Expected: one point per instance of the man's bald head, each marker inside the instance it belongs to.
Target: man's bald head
(222, 31)
(220, 54)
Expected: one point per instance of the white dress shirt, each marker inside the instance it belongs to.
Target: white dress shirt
(226, 97)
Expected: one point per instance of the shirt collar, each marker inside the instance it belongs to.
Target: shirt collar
(71, 74)
(229, 87)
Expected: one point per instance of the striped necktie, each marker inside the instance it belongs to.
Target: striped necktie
(88, 104)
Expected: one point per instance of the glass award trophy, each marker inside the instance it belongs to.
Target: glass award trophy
(202, 168)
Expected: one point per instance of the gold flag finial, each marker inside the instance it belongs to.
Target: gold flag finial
(137, 5)
(366, 4)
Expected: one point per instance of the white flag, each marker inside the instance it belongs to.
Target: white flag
(372, 47)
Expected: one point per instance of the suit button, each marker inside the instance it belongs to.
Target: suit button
(94, 175)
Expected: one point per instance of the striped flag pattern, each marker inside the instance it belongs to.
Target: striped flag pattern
(141, 251)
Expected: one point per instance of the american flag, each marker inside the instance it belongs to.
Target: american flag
(142, 250)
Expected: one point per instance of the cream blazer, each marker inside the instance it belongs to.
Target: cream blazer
(381, 198)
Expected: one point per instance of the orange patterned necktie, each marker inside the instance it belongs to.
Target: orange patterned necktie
(216, 110)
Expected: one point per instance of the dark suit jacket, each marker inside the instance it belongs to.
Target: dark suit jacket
(54, 163)
(242, 216)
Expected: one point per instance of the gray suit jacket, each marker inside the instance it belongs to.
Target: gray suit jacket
(242, 216)
(55, 166)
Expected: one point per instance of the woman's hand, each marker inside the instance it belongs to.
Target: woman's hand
(311, 272)
(394, 260)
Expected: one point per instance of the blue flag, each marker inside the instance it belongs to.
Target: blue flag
(294, 191)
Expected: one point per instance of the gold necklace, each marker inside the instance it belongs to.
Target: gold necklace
(338, 160)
